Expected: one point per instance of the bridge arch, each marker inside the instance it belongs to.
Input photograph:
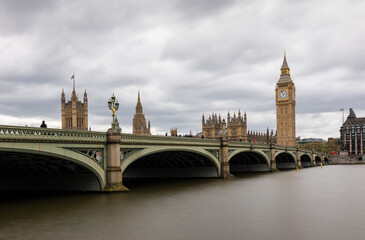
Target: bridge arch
(326, 160)
(318, 160)
(285, 160)
(248, 161)
(170, 162)
(48, 167)
(306, 160)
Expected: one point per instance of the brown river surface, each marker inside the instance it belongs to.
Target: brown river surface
(313, 203)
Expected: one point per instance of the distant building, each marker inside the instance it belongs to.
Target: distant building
(74, 112)
(173, 132)
(117, 127)
(352, 134)
(212, 128)
(285, 107)
(311, 140)
(139, 120)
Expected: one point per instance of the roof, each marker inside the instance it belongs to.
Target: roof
(353, 120)
(285, 64)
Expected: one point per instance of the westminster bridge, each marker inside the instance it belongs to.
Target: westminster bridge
(58, 159)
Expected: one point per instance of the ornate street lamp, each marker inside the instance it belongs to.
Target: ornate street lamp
(113, 105)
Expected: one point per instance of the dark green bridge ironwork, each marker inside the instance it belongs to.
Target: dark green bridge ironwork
(57, 159)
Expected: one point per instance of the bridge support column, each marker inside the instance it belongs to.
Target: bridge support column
(272, 158)
(225, 173)
(299, 161)
(114, 171)
(314, 159)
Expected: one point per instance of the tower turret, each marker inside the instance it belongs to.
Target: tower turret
(74, 113)
(139, 120)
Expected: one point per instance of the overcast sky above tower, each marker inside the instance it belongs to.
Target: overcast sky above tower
(187, 57)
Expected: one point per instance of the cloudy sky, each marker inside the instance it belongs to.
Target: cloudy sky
(187, 57)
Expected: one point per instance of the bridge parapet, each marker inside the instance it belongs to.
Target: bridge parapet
(33, 134)
(135, 139)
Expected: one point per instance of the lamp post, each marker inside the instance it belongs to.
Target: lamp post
(113, 105)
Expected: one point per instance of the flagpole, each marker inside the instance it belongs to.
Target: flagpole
(73, 78)
(343, 116)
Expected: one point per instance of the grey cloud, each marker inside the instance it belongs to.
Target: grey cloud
(191, 9)
(207, 56)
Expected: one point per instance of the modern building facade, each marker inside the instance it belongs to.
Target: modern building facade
(352, 134)
(139, 120)
(74, 112)
(285, 107)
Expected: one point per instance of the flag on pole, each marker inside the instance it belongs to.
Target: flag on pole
(341, 110)
(73, 76)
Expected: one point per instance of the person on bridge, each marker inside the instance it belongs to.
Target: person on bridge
(43, 125)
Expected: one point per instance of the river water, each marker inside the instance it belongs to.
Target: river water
(314, 203)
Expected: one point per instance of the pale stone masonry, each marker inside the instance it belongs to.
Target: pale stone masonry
(74, 112)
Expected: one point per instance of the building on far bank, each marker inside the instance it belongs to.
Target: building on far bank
(139, 120)
(173, 132)
(74, 112)
(212, 128)
(352, 134)
(311, 140)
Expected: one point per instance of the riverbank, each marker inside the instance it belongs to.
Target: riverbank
(345, 160)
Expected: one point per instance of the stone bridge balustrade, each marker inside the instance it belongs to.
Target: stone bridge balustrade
(14, 133)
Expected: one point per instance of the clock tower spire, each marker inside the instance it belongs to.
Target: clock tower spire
(285, 107)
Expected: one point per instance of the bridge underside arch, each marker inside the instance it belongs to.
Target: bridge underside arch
(306, 160)
(30, 171)
(285, 161)
(171, 164)
(318, 160)
(248, 162)
(326, 160)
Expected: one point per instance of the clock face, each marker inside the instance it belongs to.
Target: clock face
(283, 94)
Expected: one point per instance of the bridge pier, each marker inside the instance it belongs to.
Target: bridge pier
(314, 159)
(272, 158)
(299, 161)
(225, 172)
(114, 171)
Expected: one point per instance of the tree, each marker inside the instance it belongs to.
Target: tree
(330, 146)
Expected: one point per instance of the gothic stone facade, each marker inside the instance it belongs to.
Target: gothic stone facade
(212, 128)
(139, 120)
(285, 107)
(74, 113)
(352, 134)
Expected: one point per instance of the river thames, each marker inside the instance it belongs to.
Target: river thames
(314, 203)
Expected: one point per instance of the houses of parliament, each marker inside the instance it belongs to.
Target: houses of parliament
(212, 127)
(75, 116)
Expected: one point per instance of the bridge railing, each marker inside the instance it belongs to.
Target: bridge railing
(168, 140)
(12, 133)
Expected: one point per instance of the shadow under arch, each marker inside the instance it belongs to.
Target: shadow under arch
(171, 164)
(248, 161)
(285, 160)
(306, 160)
(326, 161)
(31, 171)
(318, 160)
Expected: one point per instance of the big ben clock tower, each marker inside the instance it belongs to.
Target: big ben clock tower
(285, 107)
